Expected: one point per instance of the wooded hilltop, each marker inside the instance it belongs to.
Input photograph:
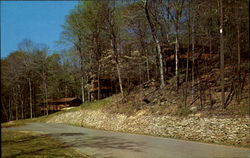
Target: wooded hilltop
(190, 53)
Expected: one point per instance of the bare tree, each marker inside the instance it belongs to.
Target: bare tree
(113, 26)
(156, 40)
(222, 55)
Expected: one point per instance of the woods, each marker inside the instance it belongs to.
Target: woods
(197, 49)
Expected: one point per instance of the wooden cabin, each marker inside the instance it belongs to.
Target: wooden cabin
(201, 54)
(105, 88)
(60, 103)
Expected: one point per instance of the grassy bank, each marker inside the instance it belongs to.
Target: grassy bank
(33, 145)
(93, 105)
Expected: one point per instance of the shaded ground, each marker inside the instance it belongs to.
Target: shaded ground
(104, 144)
(30, 144)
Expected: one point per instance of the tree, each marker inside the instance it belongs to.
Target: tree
(40, 59)
(135, 18)
(156, 40)
(176, 17)
(94, 20)
(113, 26)
(222, 55)
(74, 33)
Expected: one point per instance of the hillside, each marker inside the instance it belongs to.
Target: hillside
(150, 110)
(166, 101)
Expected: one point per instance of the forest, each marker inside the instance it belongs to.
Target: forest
(197, 49)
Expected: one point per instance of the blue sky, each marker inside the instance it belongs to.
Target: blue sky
(38, 21)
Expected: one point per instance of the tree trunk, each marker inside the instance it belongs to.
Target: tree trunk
(186, 80)
(210, 58)
(161, 62)
(157, 44)
(193, 46)
(16, 112)
(22, 116)
(10, 109)
(187, 64)
(98, 78)
(14, 102)
(238, 56)
(46, 99)
(4, 112)
(201, 93)
(177, 62)
(30, 98)
(114, 45)
(66, 94)
(222, 57)
(210, 33)
(176, 51)
(82, 86)
(147, 67)
(119, 77)
(21, 100)
(44, 106)
(81, 67)
(45, 96)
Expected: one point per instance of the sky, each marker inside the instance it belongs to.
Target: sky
(38, 21)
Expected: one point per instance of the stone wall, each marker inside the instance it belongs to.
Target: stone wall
(214, 130)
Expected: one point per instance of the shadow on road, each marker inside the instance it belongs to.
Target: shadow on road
(99, 142)
(63, 134)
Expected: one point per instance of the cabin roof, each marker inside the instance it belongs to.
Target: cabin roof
(62, 100)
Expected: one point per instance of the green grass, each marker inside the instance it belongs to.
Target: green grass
(33, 145)
(37, 119)
(23, 122)
(95, 105)
(17, 122)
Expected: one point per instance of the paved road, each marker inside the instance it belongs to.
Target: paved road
(104, 144)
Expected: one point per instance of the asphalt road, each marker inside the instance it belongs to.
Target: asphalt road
(105, 144)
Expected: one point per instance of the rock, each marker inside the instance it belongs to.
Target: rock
(162, 103)
(198, 115)
(193, 109)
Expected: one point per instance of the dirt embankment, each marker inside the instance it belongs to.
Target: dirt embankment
(231, 131)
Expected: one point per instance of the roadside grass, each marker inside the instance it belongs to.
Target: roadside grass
(14, 123)
(25, 121)
(95, 105)
(36, 119)
(34, 145)
(21, 122)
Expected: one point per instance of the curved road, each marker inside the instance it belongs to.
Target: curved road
(105, 144)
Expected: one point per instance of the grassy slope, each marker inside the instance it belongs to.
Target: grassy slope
(94, 105)
(33, 145)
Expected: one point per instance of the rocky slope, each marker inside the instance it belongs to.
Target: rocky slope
(231, 131)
